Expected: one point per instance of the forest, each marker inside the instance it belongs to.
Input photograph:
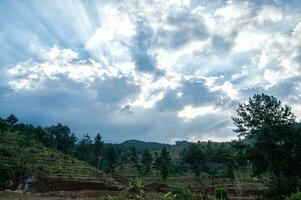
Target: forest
(268, 152)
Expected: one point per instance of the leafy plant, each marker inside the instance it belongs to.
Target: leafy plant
(296, 196)
(221, 194)
(178, 194)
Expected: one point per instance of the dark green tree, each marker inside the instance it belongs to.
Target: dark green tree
(261, 111)
(64, 140)
(3, 125)
(156, 164)
(84, 149)
(275, 142)
(195, 158)
(165, 164)
(146, 161)
(110, 158)
(134, 158)
(98, 144)
(11, 120)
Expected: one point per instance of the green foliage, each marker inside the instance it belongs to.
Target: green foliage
(276, 143)
(296, 196)
(64, 140)
(98, 144)
(164, 163)
(181, 194)
(146, 161)
(110, 158)
(84, 149)
(6, 174)
(133, 191)
(195, 158)
(221, 194)
(134, 158)
(261, 111)
(11, 120)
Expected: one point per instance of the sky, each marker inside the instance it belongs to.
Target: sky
(153, 70)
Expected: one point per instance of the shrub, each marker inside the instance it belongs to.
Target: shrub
(6, 175)
(296, 196)
(178, 194)
(221, 194)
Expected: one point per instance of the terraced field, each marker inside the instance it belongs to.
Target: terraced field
(54, 170)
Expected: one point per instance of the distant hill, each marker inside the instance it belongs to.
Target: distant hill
(154, 146)
(141, 145)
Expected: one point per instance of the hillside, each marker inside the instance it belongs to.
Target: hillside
(52, 169)
(141, 145)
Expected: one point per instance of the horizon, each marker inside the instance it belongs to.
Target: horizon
(146, 70)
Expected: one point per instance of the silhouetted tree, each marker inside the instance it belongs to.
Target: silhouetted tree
(260, 112)
(11, 120)
(97, 150)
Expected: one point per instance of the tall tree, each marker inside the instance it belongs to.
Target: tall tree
(261, 111)
(110, 158)
(195, 158)
(146, 161)
(84, 149)
(98, 144)
(11, 120)
(134, 157)
(156, 164)
(63, 138)
(275, 146)
(3, 125)
(165, 163)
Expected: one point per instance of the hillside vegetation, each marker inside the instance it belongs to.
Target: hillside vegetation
(19, 158)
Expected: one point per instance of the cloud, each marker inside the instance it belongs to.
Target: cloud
(189, 112)
(151, 70)
(142, 57)
(233, 11)
(269, 14)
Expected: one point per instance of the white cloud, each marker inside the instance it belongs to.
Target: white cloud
(56, 63)
(248, 40)
(244, 72)
(189, 112)
(229, 89)
(269, 14)
(233, 11)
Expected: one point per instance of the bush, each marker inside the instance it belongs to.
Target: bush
(296, 196)
(221, 194)
(6, 175)
(178, 194)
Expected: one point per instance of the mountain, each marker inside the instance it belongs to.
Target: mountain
(141, 145)
(154, 146)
